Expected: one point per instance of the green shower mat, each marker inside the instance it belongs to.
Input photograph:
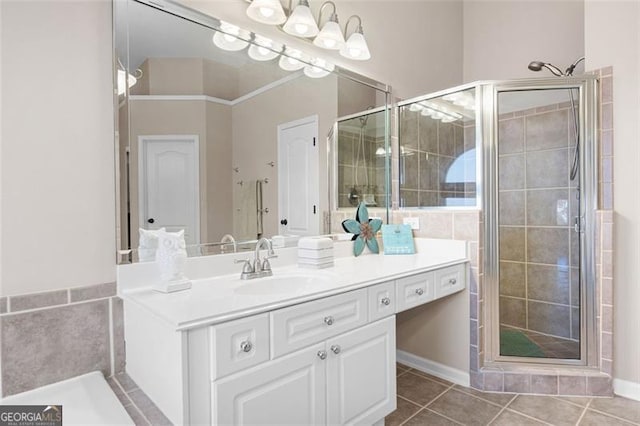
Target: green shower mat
(515, 343)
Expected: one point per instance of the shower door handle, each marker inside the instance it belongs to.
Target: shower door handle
(578, 223)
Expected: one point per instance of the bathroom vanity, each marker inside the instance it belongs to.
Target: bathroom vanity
(301, 347)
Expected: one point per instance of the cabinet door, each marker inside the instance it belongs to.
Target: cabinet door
(286, 391)
(361, 380)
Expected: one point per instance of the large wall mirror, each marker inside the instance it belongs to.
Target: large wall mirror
(221, 132)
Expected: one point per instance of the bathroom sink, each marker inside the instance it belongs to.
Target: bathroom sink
(281, 284)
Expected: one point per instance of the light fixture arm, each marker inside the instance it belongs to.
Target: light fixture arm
(334, 16)
(358, 28)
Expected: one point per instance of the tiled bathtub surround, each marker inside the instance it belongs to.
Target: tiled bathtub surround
(51, 336)
(538, 247)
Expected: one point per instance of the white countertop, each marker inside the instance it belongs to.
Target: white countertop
(226, 297)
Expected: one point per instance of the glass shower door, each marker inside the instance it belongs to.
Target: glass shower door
(538, 227)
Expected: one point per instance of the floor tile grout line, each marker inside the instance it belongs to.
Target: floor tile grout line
(502, 409)
(527, 416)
(133, 403)
(410, 401)
(610, 415)
(559, 398)
(442, 415)
(438, 396)
(586, 407)
(461, 389)
(412, 416)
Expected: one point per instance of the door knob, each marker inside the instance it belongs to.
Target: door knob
(284, 222)
(151, 220)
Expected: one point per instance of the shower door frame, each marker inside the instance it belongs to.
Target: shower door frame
(588, 184)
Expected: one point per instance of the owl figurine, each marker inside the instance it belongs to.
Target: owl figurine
(171, 258)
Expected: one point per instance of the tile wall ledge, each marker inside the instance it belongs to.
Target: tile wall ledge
(56, 298)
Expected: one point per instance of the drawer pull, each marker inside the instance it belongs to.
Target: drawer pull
(419, 291)
(385, 301)
(246, 346)
(335, 349)
(452, 281)
(328, 320)
(322, 355)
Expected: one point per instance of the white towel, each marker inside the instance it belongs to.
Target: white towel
(245, 218)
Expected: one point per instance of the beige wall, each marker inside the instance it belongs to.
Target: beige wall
(255, 136)
(58, 198)
(502, 37)
(612, 32)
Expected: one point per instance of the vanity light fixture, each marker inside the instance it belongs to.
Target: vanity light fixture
(264, 49)
(291, 60)
(356, 45)
(301, 22)
(330, 36)
(268, 12)
(125, 79)
(230, 37)
(319, 68)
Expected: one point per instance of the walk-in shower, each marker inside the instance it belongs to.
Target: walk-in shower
(523, 152)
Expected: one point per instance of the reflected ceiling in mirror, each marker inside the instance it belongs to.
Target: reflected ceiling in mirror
(220, 142)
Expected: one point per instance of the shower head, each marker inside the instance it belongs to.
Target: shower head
(538, 65)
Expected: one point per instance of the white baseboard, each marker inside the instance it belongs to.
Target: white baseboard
(627, 389)
(459, 377)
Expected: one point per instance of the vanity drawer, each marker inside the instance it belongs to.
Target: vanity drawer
(450, 280)
(382, 300)
(414, 291)
(308, 323)
(239, 344)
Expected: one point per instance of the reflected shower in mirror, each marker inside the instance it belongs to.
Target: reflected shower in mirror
(437, 158)
(220, 133)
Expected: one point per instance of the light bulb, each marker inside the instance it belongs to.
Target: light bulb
(229, 38)
(354, 51)
(268, 12)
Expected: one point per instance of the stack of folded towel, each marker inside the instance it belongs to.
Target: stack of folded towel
(315, 252)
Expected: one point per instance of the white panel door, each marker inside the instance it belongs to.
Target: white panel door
(298, 183)
(287, 391)
(361, 378)
(169, 184)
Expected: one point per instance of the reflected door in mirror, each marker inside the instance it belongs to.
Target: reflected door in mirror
(298, 183)
(169, 184)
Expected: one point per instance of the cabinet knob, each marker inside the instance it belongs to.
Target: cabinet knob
(335, 349)
(452, 281)
(246, 346)
(328, 320)
(419, 291)
(385, 301)
(322, 355)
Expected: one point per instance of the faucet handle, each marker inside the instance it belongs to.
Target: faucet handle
(247, 268)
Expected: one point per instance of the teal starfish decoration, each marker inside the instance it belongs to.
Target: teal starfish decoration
(364, 230)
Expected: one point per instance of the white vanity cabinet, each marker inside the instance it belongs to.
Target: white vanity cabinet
(323, 361)
(347, 379)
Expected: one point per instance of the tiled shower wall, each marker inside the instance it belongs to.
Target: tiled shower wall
(538, 247)
(52, 336)
(352, 156)
(428, 149)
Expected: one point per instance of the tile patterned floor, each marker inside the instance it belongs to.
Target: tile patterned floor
(427, 400)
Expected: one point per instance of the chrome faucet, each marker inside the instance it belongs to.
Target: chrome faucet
(258, 268)
(228, 238)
